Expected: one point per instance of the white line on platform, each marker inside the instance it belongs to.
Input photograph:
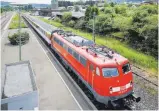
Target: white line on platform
(60, 76)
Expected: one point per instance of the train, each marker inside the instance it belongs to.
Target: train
(105, 73)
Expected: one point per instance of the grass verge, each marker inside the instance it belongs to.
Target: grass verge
(15, 22)
(147, 62)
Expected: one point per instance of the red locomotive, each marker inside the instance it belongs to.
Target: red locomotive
(107, 74)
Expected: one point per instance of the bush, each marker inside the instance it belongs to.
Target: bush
(109, 10)
(66, 17)
(57, 19)
(71, 23)
(80, 24)
(14, 39)
(120, 9)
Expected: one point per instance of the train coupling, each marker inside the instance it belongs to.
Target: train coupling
(127, 101)
(114, 104)
(136, 98)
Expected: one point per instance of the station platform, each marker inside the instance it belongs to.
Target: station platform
(52, 91)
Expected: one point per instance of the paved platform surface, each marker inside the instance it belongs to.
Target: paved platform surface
(53, 94)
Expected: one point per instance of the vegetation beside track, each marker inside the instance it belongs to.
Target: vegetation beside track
(15, 22)
(14, 39)
(147, 62)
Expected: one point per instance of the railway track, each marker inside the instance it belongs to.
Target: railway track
(147, 80)
(5, 20)
(76, 81)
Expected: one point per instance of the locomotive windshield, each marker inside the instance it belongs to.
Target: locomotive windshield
(126, 68)
(110, 72)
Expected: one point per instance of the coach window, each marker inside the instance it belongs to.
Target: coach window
(83, 61)
(65, 46)
(70, 50)
(76, 55)
(57, 40)
(61, 43)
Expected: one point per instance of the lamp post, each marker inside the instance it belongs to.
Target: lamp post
(19, 36)
(93, 27)
(19, 28)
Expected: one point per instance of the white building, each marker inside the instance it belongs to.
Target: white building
(54, 4)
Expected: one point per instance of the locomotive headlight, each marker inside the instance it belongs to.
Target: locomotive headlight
(111, 88)
(131, 83)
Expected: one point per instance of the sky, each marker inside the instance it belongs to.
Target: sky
(31, 1)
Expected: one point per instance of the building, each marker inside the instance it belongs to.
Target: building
(54, 4)
(19, 91)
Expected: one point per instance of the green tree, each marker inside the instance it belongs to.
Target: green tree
(122, 23)
(112, 4)
(151, 9)
(89, 12)
(120, 9)
(109, 10)
(103, 23)
(106, 4)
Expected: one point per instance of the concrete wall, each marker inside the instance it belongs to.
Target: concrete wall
(27, 101)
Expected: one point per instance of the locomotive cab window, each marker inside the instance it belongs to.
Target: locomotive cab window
(126, 68)
(110, 72)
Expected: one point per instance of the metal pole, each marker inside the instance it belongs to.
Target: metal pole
(5, 13)
(94, 27)
(19, 37)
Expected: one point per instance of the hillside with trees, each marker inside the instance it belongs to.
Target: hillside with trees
(135, 25)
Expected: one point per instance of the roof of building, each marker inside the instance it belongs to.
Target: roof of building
(19, 79)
